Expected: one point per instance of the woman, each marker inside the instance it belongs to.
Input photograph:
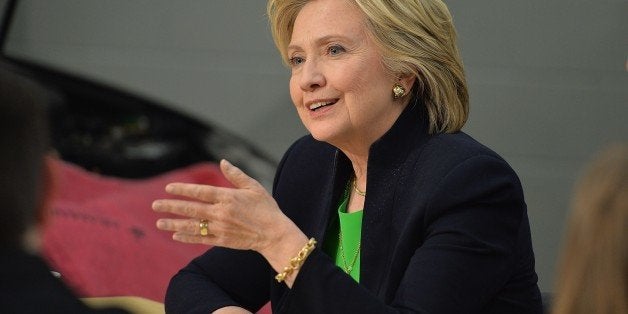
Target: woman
(404, 213)
(594, 263)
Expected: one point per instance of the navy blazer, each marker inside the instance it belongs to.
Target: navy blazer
(445, 230)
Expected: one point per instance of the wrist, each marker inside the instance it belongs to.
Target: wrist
(282, 238)
(285, 244)
(297, 261)
(283, 247)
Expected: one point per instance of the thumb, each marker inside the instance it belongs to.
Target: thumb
(236, 176)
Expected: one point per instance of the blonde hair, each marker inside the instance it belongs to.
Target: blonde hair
(415, 37)
(593, 275)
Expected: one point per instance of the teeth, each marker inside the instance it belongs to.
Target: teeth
(317, 105)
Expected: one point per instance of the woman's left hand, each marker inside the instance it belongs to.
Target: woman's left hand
(245, 217)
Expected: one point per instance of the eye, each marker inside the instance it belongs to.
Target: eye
(294, 61)
(335, 50)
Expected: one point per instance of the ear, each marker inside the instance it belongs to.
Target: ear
(48, 189)
(407, 80)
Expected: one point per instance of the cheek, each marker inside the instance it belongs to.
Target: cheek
(359, 76)
(295, 92)
(345, 79)
(361, 88)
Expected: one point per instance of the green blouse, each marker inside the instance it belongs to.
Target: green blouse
(349, 228)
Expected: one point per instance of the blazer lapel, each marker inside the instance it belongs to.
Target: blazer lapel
(387, 157)
(334, 187)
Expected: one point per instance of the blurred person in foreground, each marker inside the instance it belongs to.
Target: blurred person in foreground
(593, 267)
(386, 207)
(26, 187)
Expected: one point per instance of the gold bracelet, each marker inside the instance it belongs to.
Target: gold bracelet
(297, 261)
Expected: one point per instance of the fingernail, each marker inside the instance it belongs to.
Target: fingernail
(169, 188)
(160, 224)
(155, 205)
(227, 163)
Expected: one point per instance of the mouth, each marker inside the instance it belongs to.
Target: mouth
(321, 104)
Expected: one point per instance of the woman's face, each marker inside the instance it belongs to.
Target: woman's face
(341, 90)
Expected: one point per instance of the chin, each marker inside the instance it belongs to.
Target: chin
(327, 136)
(320, 136)
(326, 131)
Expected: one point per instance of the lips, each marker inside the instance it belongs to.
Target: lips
(321, 104)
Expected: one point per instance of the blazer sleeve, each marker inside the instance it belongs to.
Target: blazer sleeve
(465, 250)
(220, 277)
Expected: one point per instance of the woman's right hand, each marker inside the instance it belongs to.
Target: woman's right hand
(245, 217)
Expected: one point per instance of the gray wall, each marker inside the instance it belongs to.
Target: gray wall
(547, 79)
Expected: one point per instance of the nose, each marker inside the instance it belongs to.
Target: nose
(312, 76)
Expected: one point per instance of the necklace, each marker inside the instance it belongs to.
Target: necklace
(355, 188)
(348, 268)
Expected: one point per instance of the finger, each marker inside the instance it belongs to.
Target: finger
(237, 177)
(201, 192)
(195, 239)
(187, 226)
(184, 208)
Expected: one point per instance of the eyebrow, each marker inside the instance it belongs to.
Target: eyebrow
(319, 41)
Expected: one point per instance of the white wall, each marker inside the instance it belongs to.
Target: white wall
(547, 79)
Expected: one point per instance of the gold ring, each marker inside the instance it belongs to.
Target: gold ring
(203, 224)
